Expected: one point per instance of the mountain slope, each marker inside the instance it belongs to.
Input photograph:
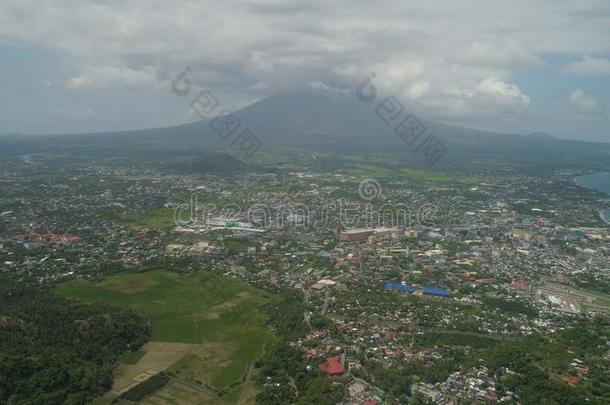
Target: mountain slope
(318, 121)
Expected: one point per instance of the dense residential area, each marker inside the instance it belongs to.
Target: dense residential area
(438, 289)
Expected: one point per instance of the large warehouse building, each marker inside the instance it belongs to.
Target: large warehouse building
(436, 292)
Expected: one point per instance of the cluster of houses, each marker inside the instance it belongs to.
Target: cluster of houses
(383, 287)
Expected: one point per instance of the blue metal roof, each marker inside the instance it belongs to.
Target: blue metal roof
(436, 291)
(392, 285)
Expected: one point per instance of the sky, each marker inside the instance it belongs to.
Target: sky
(514, 66)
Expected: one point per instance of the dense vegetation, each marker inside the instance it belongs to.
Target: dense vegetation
(57, 351)
(539, 366)
(284, 374)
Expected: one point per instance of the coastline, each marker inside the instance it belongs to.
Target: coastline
(603, 217)
(575, 181)
(604, 214)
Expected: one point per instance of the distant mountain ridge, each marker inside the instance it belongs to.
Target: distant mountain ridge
(320, 121)
(541, 135)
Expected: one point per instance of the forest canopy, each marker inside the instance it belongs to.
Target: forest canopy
(56, 350)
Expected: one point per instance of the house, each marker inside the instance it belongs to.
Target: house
(332, 366)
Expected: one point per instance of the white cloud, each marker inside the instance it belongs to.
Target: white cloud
(99, 77)
(588, 67)
(503, 93)
(418, 90)
(483, 99)
(506, 53)
(585, 105)
(259, 86)
(319, 85)
(453, 58)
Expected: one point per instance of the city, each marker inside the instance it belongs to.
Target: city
(288, 202)
(404, 292)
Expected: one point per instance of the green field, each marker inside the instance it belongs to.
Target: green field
(132, 357)
(212, 323)
(157, 218)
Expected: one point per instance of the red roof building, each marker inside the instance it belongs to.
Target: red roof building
(49, 237)
(332, 366)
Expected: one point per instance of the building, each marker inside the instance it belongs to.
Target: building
(332, 366)
(436, 292)
(322, 284)
(354, 235)
(428, 392)
(399, 287)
